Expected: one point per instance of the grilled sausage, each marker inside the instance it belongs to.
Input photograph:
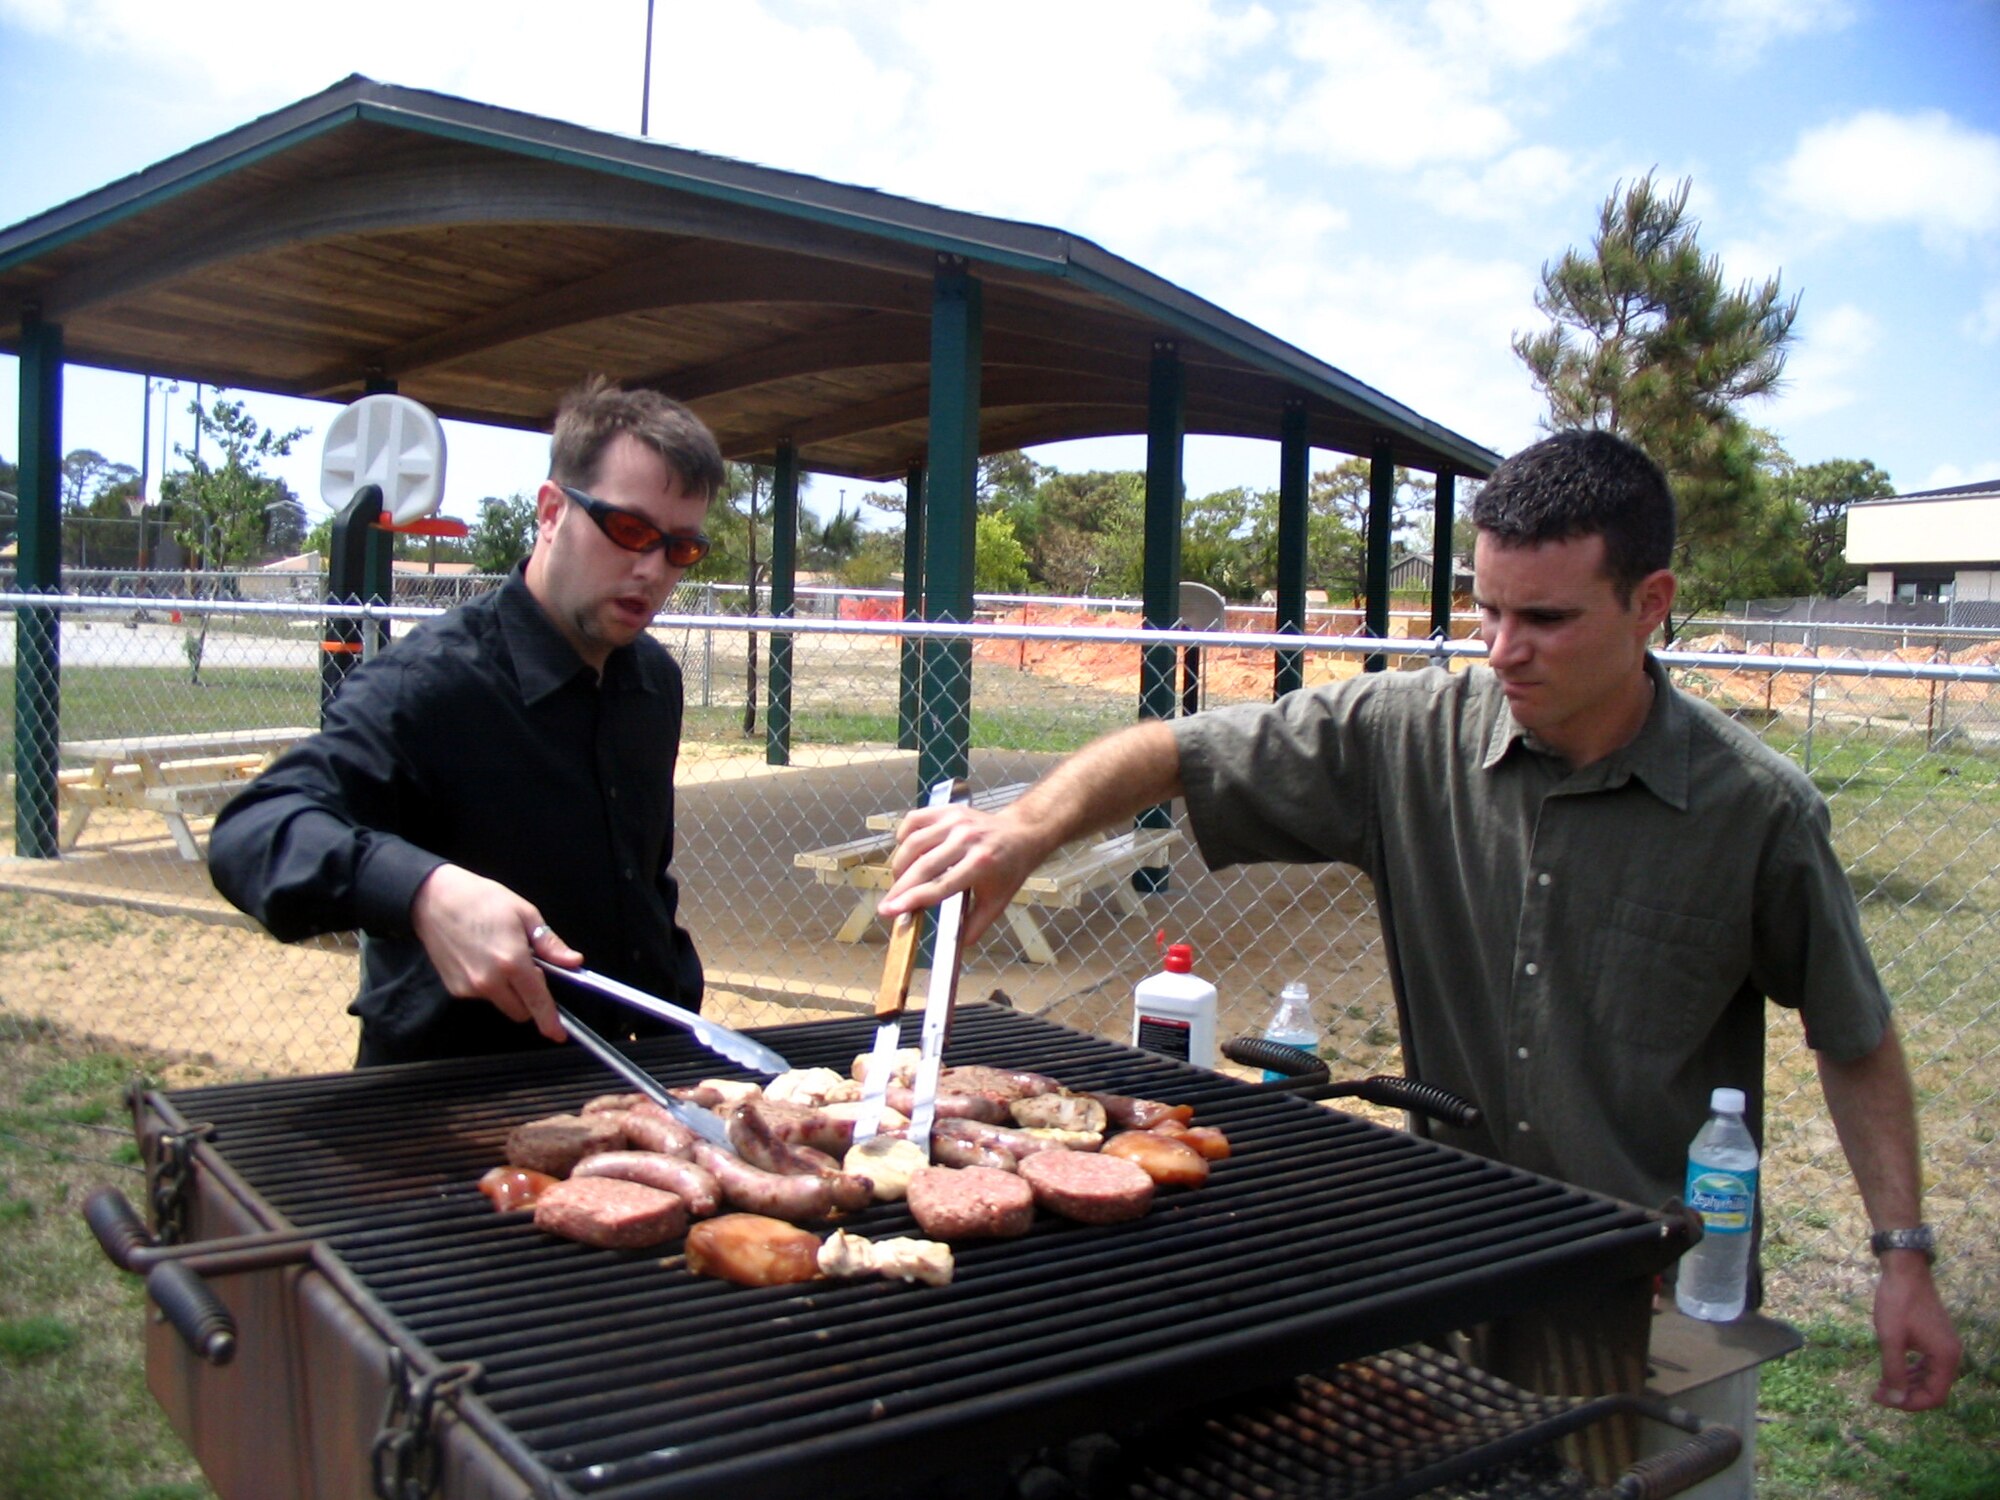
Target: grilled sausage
(1078, 1112)
(797, 1200)
(695, 1186)
(804, 1125)
(987, 1107)
(1006, 1083)
(754, 1132)
(1004, 1138)
(1141, 1114)
(653, 1129)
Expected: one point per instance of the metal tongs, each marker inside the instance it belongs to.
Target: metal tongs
(894, 994)
(713, 1035)
(704, 1123)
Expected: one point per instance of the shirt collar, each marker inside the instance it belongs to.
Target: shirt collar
(544, 660)
(1657, 756)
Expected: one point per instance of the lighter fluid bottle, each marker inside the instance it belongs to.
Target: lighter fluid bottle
(1173, 1013)
(1292, 1024)
(1722, 1188)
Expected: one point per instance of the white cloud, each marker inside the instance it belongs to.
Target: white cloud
(1742, 29)
(1876, 169)
(1520, 185)
(1982, 325)
(1830, 352)
(1393, 88)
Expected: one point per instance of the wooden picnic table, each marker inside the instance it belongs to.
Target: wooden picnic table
(1098, 863)
(178, 776)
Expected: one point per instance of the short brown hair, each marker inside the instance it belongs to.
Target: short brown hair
(1578, 483)
(598, 411)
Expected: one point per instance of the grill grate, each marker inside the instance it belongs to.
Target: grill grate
(1409, 1421)
(1322, 1238)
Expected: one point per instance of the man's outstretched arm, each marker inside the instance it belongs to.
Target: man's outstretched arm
(1875, 1116)
(941, 851)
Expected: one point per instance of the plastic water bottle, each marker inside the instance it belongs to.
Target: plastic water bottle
(1292, 1024)
(1722, 1188)
(1173, 1012)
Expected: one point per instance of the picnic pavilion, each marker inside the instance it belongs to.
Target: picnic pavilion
(373, 238)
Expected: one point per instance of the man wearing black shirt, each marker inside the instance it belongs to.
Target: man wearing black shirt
(499, 785)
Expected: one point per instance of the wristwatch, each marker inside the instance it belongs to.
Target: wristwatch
(1922, 1238)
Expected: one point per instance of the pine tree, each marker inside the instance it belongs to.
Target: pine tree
(1647, 342)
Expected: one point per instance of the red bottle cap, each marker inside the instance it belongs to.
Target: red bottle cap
(1180, 959)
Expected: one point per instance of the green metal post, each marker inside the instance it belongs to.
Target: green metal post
(784, 586)
(380, 570)
(1166, 420)
(38, 570)
(1443, 517)
(944, 739)
(910, 669)
(1381, 521)
(1294, 480)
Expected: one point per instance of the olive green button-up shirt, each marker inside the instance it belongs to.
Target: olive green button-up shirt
(1584, 953)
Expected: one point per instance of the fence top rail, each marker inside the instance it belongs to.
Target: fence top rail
(1349, 645)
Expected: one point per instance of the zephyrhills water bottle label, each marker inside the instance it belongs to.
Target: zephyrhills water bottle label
(1725, 1200)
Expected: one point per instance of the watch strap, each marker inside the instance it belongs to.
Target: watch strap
(1922, 1238)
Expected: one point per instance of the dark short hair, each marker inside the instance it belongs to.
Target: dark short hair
(598, 411)
(1584, 483)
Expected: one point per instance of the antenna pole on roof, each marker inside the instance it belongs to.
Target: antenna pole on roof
(646, 88)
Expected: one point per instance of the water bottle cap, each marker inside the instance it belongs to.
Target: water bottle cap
(1296, 990)
(1180, 959)
(1727, 1101)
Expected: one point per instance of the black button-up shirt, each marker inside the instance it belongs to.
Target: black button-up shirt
(484, 741)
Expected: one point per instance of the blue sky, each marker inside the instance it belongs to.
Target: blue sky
(1377, 182)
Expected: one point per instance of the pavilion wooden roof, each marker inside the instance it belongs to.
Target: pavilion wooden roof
(484, 261)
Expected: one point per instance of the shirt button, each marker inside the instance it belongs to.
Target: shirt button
(1522, 1126)
(1541, 879)
(612, 793)
(626, 872)
(1522, 1053)
(1531, 970)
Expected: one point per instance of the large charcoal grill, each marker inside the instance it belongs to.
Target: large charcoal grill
(392, 1325)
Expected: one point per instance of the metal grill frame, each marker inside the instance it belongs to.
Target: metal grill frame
(1272, 1268)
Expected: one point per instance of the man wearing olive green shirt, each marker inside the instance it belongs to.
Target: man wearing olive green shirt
(1636, 875)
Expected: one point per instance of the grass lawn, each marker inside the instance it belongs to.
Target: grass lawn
(76, 1420)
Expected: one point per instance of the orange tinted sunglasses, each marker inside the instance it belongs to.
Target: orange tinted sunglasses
(633, 532)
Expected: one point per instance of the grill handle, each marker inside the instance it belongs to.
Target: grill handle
(1306, 1075)
(196, 1313)
(120, 1232)
(1703, 1456)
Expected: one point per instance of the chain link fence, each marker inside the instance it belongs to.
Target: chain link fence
(121, 944)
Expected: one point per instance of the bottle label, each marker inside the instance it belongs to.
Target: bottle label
(1164, 1035)
(1724, 1199)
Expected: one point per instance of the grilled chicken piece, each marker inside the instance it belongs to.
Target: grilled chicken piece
(907, 1259)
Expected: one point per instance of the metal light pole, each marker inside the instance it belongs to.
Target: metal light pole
(646, 87)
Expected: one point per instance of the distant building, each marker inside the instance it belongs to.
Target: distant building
(1413, 570)
(1932, 546)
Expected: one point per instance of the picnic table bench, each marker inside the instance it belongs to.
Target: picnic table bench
(1105, 863)
(178, 776)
